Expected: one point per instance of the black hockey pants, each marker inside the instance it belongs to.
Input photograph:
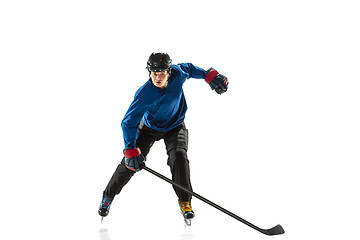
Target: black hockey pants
(176, 142)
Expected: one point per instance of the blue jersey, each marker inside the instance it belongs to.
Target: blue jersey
(160, 109)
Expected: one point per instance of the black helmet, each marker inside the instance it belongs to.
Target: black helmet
(159, 62)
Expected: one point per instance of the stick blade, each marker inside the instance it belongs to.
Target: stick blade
(274, 231)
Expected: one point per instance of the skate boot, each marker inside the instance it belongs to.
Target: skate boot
(186, 211)
(105, 206)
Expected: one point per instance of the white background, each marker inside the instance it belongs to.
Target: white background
(281, 146)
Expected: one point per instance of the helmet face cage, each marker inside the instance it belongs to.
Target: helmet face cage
(159, 62)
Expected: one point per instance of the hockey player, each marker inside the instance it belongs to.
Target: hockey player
(158, 112)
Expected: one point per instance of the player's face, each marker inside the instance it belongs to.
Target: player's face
(160, 79)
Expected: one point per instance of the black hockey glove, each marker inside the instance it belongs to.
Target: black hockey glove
(133, 159)
(217, 82)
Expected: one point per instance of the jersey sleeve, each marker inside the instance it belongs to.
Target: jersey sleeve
(193, 71)
(132, 120)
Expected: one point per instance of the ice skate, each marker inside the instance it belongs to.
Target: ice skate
(187, 212)
(105, 206)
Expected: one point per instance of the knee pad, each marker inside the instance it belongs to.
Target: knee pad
(178, 155)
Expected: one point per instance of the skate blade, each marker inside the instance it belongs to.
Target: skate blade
(187, 222)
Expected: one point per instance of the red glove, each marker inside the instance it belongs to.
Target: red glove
(133, 159)
(217, 82)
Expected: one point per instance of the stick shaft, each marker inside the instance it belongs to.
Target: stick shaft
(207, 201)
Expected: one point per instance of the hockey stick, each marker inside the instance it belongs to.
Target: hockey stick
(272, 231)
